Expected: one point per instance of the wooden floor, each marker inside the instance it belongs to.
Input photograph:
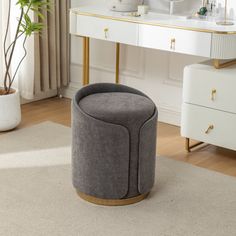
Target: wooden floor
(170, 144)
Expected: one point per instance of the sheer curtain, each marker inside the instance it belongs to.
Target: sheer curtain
(0, 43)
(46, 67)
(25, 77)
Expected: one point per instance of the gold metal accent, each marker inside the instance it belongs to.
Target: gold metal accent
(172, 44)
(106, 32)
(117, 63)
(225, 22)
(211, 127)
(189, 147)
(134, 14)
(213, 93)
(218, 65)
(112, 202)
(153, 24)
(85, 60)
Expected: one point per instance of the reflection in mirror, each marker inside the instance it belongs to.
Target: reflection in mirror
(185, 7)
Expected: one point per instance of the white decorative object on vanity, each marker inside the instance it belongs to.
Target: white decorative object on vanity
(143, 9)
(10, 111)
(172, 3)
(124, 5)
(209, 105)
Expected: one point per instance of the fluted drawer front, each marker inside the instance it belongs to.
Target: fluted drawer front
(209, 87)
(223, 46)
(209, 125)
(110, 30)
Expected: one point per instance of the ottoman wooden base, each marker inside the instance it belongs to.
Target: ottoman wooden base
(112, 202)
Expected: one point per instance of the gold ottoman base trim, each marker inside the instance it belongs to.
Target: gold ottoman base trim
(112, 202)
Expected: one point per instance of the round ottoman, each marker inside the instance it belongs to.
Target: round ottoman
(114, 144)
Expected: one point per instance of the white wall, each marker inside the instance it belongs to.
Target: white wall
(157, 73)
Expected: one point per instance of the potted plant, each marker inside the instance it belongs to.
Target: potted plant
(10, 111)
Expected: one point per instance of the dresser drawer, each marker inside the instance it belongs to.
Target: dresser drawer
(110, 30)
(221, 126)
(175, 40)
(209, 87)
(223, 46)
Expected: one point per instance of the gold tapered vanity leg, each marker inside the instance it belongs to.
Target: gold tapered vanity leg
(85, 60)
(117, 63)
(219, 65)
(189, 147)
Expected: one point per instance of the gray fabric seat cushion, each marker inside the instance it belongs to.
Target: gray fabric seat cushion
(127, 109)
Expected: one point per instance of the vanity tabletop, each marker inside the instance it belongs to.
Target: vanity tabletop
(156, 19)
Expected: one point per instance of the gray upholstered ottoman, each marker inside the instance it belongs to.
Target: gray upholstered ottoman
(114, 144)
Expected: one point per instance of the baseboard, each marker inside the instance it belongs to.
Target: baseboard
(70, 91)
(169, 115)
(40, 96)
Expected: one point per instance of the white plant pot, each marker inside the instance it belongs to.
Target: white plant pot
(123, 5)
(10, 111)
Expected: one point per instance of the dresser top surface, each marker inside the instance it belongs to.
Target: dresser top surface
(156, 19)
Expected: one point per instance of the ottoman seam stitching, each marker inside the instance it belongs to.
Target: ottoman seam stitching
(153, 115)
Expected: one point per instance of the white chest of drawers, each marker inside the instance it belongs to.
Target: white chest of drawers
(209, 105)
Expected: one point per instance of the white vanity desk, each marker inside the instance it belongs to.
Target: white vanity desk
(156, 31)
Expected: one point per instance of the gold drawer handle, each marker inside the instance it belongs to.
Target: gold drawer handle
(106, 32)
(172, 44)
(211, 127)
(213, 94)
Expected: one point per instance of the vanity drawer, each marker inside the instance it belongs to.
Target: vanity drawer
(209, 125)
(110, 30)
(206, 86)
(175, 40)
(223, 46)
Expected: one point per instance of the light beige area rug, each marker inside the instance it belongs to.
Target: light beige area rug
(37, 198)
